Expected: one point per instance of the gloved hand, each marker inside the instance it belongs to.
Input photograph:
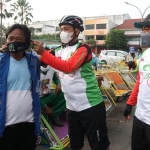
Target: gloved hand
(127, 112)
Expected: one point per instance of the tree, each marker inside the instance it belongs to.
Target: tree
(2, 33)
(4, 14)
(22, 9)
(91, 41)
(50, 36)
(116, 39)
(4, 29)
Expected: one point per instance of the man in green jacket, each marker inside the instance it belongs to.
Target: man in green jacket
(51, 97)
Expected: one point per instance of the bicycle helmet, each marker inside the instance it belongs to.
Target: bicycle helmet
(72, 20)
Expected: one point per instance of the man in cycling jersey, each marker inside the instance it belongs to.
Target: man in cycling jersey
(85, 106)
(141, 94)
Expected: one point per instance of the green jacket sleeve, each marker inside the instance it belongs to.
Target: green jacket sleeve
(137, 66)
(135, 70)
(56, 79)
(42, 102)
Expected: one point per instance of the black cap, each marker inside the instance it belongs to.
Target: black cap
(146, 22)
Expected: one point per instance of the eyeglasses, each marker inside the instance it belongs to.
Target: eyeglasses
(146, 29)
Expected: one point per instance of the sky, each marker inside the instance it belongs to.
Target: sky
(55, 9)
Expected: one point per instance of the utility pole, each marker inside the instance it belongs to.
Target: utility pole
(55, 33)
(142, 15)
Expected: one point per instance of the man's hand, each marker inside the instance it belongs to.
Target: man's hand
(127, 112)
(38, 47)
(99, 79)
(4, 48)
(47, 110)
(58, 88)
(39, 56)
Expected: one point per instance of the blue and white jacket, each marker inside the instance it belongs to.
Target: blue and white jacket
(34, 68)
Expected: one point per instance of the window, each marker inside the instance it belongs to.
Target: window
(120, 54)
(101, 26)
(111, 53)
(89, 27)
(99, 37)
(87, 37)
(38, 30)
(103, 52)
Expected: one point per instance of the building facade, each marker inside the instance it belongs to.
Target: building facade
(133, 34)
(98, 27)
(117, 19)
(95, 27)
(40, 25)
(41, 28)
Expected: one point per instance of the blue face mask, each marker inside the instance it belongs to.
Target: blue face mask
(17, 47)
(145, 40)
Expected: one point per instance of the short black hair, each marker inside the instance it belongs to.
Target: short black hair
(131, 64)
(43, 64)
(24, 28)
(140, 48)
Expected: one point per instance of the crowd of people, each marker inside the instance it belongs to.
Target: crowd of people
(26, 80)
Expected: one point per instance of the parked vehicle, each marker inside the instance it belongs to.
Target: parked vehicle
(111, 56)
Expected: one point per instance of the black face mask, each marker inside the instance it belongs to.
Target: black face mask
(145, 40)
(17, 47)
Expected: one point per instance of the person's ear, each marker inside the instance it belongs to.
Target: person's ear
(77, 32)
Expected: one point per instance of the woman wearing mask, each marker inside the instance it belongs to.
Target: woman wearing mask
(19, 92)
(85, 107)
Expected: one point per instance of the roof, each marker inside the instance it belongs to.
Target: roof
(128, 24)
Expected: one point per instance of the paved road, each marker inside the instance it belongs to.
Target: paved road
(118, 131)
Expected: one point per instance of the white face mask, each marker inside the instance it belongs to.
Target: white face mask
(66, 37)
(44, 69)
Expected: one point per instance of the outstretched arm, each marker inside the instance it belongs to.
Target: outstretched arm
(67, 66)
(133, 97)
(79, 57)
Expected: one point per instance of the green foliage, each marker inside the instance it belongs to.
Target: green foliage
(91, 41)
(46, 36)
(2, 33)
(21, 10)
(116, 39)
(4, 29)
(50, 36)
(4, 12)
